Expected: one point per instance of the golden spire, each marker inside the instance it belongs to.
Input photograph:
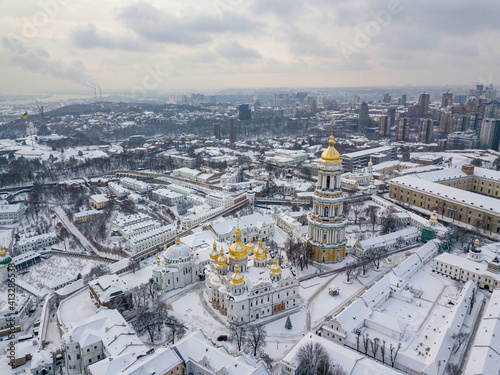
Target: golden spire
(370, 162)
(433, 218)
(214, 254)
(330, 155)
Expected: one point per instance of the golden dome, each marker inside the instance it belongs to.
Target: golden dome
(476, 243)
(214, 254)
(177, 240)
(221, 260)
(238, 250)
(330, 155)
(433, 218)
(260, 253)
(275, 268)
(2, 251)
(237, 278)
(250, 245)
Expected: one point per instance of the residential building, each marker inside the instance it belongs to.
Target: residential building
(378, 155)
(87, 215)
(11, 213)
(489, 137)
(106, 288)
(136, 185)
(99, 201)
(426, 130)
(33, 243)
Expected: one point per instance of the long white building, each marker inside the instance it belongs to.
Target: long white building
(11, 213)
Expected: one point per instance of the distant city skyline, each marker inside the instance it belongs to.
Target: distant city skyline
(141, 47)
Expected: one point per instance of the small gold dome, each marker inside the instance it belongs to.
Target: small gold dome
(250, 245)
(2, 251)
(275, 268)
(222, 260)
(214, 254)
(237, 278)
(238, 250)
(476, 243)
(433, 218)
(330, 155)
(260, 253)
(177, 240)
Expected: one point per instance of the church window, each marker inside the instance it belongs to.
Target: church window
(326, 211)
(328, 182)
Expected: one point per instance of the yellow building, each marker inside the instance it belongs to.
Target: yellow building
(469, 195)
(326, 221)
(99, 201)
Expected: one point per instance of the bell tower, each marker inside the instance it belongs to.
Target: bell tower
(326, 221)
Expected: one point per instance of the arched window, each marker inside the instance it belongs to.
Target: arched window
(328, 182)
(326, 212)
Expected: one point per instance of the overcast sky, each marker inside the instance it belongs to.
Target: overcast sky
(73, 45)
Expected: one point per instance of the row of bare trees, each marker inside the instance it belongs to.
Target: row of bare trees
(374, 345)
(299, 253)
(362, 265)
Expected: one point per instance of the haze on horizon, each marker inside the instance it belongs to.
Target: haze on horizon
(73, 46)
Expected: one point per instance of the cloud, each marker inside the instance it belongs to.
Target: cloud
(38, 60)
(91, 37)
(235, 51)
(192, 27)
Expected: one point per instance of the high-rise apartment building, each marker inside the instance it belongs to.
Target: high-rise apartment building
(489, 137)
(384, 126)
(446, 99)
(425, 131)
(403, 129)
(364, 118)
(424, 101)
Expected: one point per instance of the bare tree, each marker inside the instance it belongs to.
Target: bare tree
(314, 360)
(152, 289)
(356, 209)
(453, 369)
(375, 344)
(472, 300)
(256, 338)
(394, 353)
(350, 270)
(461, 338)
(95, 273)
(371, 212)
(382, 351)
(389, 222)
(358, 334)
(364, 263)
(376, 256)
(238, 335)
(366, 342)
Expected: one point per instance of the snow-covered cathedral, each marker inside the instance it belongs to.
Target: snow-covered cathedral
(327, 224)
(248, 287)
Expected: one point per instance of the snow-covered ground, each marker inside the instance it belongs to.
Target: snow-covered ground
(47, 270)
(75, 309)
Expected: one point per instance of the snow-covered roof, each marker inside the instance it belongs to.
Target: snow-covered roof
(160, 361)
(245, 222)
(390, 238)
(197, 348)
(446, 192)
(99, 198)
(58, 281)
(108, 286)
(352, 362)
(108, 327)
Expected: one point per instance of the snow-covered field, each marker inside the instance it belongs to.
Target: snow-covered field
(75, 309)
(47, 270)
